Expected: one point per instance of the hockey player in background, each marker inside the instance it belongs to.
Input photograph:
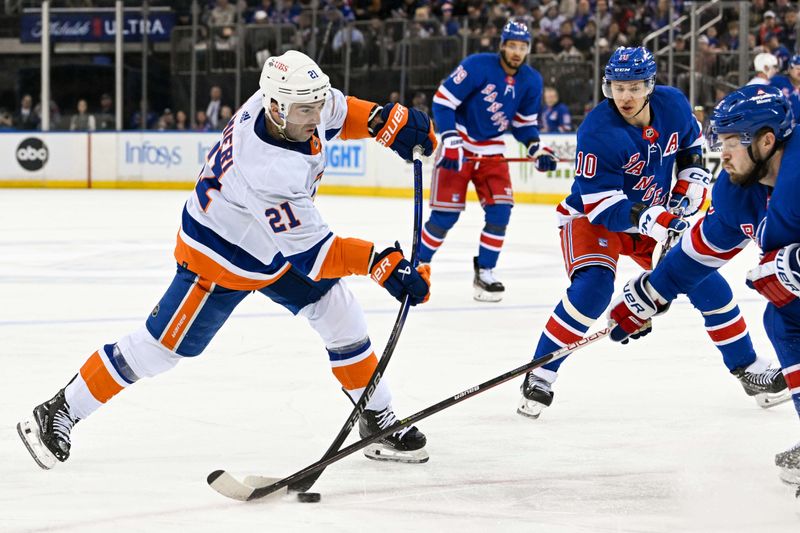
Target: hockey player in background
(626, 151)
(486, 96)
(251, 225)
(790, 83)
(756, 198)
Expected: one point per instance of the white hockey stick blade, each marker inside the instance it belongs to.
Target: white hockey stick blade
(229, 486)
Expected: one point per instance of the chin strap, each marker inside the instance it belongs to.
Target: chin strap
(761, 167)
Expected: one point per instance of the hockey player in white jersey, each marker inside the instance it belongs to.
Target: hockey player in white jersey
(251, 225)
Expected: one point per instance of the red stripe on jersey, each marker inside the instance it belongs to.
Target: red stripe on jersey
(699, 244)
(480, 143)
(440, 94)
(560, 332)
(588, 208)
(728, 332)
(793, 379)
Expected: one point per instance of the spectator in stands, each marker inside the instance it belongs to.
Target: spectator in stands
(305, 30)
(730, 41)
(420, 102)
(55, 114)
(585, 39)
(568, 52)
(150, 120)
(790, 84)
(225, 115)
(615, 37)
(201, 121)
(82, 120)
(394, 97)
(166, 121)
(6, 120)
(768, 27)
(450, 25)
(604, 16)
(221, 20)
(181, 121)
(555, 116)
(775, 48)
(713, 37)
(356, 42)
(789, 37)
(551, 22)
(26, 118)
(583, 14)
(766, 66)
(214, 106)
(106, 118)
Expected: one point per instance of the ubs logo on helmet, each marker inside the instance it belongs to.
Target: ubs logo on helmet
(32, 154)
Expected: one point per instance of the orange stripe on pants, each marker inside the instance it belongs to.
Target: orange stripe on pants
(184, 316)
(99, 382)
(357, 375)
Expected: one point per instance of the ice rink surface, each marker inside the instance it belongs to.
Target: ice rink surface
(654, 436)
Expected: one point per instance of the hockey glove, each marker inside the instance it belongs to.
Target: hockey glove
(632, 310)
(690, 191)
(545, 157)
(451, 156)
(393, 272)
(777, 277)
(404, 128)
(658, 223)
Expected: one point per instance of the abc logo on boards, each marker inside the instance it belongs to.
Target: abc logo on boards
(32, 154)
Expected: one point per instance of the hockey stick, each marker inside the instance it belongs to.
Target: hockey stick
(513, 159)
(229, 486)
(303, 484)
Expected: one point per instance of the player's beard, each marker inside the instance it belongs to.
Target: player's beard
(757, 171)
(504, 58)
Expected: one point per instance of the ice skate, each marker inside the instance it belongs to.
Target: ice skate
(46, 434)
(789, 464)
(537, 393)
(487, 288)
(404, 446)
(767, 387)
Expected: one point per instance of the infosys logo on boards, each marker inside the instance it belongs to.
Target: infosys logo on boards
(32, 154)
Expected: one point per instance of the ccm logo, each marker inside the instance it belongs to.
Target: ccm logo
(395, 122)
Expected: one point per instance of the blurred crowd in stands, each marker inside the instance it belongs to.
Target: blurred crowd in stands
(567, 30)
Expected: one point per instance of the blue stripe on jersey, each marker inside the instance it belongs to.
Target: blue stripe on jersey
(562, 313)
(331, 133)
(348, 352)
(260, 129)
(236, 255)
(304, 261)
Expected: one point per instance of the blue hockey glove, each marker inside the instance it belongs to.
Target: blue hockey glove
(633, 309)
(404, 128)
(690, 190)
(545, 157)
(393, 272)
(451, 155)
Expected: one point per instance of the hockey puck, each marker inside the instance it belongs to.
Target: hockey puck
(309, 497)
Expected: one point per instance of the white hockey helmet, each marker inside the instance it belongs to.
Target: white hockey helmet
(765, 60)
(292, 78)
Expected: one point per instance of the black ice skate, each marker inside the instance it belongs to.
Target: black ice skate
(767, 387)
(536, 395)
(487, 288)
(404, 446)
(789, 464)
(46, 434)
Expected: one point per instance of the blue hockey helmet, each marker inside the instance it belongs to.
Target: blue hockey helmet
(630, 64)
(794, 61)
(515, 31)
(747, 111)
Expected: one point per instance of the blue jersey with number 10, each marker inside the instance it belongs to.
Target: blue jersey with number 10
(482, 102)
(617, 164)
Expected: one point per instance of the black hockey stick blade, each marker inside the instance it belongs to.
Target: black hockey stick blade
(229, 486)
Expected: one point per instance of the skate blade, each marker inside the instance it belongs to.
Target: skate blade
(530, 408)
(29, 433)
(481, 295)
(379, 452)
(765, 400)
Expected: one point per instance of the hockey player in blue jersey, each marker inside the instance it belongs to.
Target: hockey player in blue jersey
(486, 96)
(790, 84)
(627, 149)
(756, 198)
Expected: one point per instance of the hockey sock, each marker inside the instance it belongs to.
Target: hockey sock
(101, 377)
(434, 231)
(493, 234)
(586, 299)
(724, 322)
(353, 366)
